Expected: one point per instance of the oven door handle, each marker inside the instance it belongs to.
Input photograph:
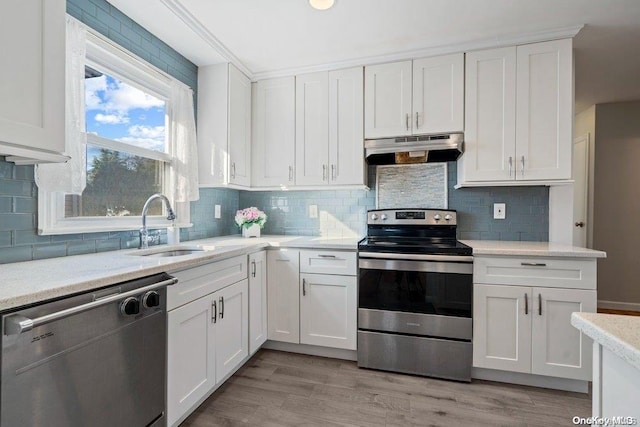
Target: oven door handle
(416, 257)
(17, 324)
(440, 266)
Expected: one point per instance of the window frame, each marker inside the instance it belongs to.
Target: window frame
(110, 58)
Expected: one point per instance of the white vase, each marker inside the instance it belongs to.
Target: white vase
(251, 231)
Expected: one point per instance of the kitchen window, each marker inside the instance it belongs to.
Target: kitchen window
(125, 107)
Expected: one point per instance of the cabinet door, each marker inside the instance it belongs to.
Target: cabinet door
(544, 110)
(239, 138)
(502, 327)
(328, 310)
(346, 121)
(32, 92)
(273, 132)
(387, 100)
(490, 116)
(191, 370)
(257, 300)
(438, 94)
(312, 129)
(559, 349)
(232, 328)
(283, 322)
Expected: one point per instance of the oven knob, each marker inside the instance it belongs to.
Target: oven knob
(383, 217)
(436, 217)
(374, 216)
(151, 299)
(448, 217)
(130, 306)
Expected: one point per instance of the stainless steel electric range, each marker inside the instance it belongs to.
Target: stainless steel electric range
(415, 288)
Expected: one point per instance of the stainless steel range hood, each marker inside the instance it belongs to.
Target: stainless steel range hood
(414, 149)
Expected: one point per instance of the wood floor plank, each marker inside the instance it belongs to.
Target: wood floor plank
(284, 389)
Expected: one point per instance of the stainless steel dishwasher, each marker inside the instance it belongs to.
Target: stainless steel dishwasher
(93, 359)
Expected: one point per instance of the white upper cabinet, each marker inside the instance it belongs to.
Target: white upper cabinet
(274, 116)
(417, 97)
(438, 94)
(312, 129)
(518, 114)
(224, 126)
(32, 76)
(346, 132)
(490, 118)
(387, 95)
(544, 108)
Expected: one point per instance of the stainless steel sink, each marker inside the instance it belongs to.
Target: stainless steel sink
(172, 251)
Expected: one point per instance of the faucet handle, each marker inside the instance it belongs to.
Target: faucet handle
(172, 215)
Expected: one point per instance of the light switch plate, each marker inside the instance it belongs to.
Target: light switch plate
(216, 212)
(499, 210)
(313, 211)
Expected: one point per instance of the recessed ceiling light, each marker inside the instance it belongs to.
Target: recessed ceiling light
(321, 4)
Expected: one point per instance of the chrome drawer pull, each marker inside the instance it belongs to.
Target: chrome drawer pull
(326, 256)
(533, 264)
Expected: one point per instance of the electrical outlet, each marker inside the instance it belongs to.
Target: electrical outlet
(499, 210)
(313, 211)
(216, 212)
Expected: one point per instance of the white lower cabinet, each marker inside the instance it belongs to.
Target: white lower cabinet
(283, 268)
(231, 328)
(257, 300)
(328, 310)
(528, 329)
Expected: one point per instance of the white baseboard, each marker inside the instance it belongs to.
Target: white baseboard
(530, 380)
(335, 353)
(617, 305)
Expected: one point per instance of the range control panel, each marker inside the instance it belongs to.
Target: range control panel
(412, 217)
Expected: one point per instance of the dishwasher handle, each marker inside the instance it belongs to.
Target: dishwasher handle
(16, 324)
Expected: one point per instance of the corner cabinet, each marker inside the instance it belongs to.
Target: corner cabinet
(417, 97)
(518, 115)
(32, 93)
(224, 127)
(274, 131)
(522, 315)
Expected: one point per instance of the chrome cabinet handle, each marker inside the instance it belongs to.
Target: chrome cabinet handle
(333, 172)
(407, 121)
(221, 307)
(253, 266)
(290, 173)
(324, 172)
(533, 264)
(510, 165)
(304, 287)
(233, 170)
(539, 304)
(526, 303)
(416, 120)
(326, 256)
(214, 309)
(17, 324)
(522, 163)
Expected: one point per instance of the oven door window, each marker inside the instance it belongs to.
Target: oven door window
(410, 287)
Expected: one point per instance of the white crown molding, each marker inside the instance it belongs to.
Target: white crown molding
(179, 10)
(495, 42)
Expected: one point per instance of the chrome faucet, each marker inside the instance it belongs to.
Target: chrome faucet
(144, 233)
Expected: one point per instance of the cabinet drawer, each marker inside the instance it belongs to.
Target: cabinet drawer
(200, 281)
(328, 262)
(535, 271)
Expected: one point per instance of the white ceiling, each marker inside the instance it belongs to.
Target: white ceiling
(285, 36)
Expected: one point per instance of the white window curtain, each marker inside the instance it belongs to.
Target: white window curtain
(182, 143)
(70, 177)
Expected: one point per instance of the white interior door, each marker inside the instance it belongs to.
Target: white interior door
(232, 328)
(580, 190)
(502, 327)
(559, 349)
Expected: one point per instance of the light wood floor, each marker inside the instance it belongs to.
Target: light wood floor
(285, 389)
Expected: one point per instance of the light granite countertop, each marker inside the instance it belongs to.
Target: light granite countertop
(619, 334)
(31, 282)
(539, 249)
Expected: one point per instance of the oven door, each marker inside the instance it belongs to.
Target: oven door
(427, 298)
